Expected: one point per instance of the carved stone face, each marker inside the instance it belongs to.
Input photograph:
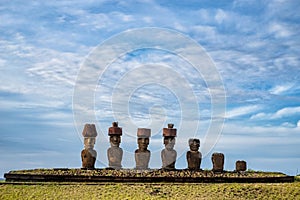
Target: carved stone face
(194, 144)
(143, 143)
(169, 142)
(89, 142)
(115, 140)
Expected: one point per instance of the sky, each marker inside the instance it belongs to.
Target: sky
(252, 49)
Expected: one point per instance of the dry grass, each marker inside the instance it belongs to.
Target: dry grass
(150, 191)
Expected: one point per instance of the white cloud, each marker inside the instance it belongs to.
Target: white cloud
(281, 88)
(288, 125)
(58, 67)
(284, 112)
(255, 131)
(279, 30)
(260, 116)
(241, 111)
(39, 65)
(2, 62)
(220, 16)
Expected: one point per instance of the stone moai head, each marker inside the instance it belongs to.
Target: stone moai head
(115, 133)
(194, 144)
(169, 135)
(169, 142)
(218, 162)
(143, 135)
(240, 166)
(89, 133)
(89, 142)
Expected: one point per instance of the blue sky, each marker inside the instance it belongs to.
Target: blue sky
(255, 46)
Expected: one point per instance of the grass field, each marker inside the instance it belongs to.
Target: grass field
(150, 191)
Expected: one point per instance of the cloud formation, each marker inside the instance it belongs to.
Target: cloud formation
(254, 45)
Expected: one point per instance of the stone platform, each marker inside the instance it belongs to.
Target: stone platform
(130, 175)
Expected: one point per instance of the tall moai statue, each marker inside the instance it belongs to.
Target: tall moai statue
(115, 153)
(88, 154)
(193, 156)
(168, 154)
(218, 162)
(142, 154)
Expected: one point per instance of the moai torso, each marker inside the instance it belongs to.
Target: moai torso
(194, 160)
(218, 162)
(168, 158)
(142, 159)
(115, 155)
(88, 157)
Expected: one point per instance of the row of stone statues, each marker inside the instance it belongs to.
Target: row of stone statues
(142, 154)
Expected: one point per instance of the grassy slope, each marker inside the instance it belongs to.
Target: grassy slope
(151, 191)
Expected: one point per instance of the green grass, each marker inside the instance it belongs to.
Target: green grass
(150, 191)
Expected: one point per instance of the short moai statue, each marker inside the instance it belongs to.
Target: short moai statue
(168, 154)
(115, 153)
(193, 156)
(142, 154)
(218, 162)
(88, 154)
(240, 166)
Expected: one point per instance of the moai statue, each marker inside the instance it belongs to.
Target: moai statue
(115, 153)
(240, 166)
(168, 154)
(142, 154)
(194, 156)
(218, 162)
(88, 154)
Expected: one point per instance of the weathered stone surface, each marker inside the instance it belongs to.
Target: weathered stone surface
(240, 165)
(88, 157)
(89, 142)
(89, 130)
(218, 162)
(168, 155)
(170, 131)
(143, 133)
(193, 156)
(114, 130)
(142, 159)
(115, 153)
(142, 154)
